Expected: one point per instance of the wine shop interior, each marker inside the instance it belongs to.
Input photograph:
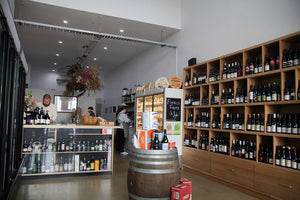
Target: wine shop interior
(169, 99)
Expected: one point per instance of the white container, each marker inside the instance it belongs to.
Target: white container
(76, 163)
(150, 120)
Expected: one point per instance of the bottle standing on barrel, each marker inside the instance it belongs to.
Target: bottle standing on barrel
(165, 142)
(156, 142)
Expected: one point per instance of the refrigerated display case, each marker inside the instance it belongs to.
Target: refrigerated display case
(168, 103)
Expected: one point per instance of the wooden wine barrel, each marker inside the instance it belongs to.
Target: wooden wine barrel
(152, 173)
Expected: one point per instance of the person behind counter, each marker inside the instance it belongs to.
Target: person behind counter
(91, 111)
(122, 133)
(76, 116)
(52, 110)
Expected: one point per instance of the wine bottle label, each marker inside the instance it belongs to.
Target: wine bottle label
(273, 128)
(274, 97)
(24, 150)
(290, 63)
(288, 163)
(294, 164)
(286, 97)
(282, 162)
(299, 165)
(278, 129)
(249, 127)
(250, 155)
(269, 128)
(277, 161)
(269, 98)
(262, 128)
(284, 64)
(233, 126)
(259, 69)
(270, 160)
(289, 130)
(294, 131)
(257, 127)
(283, 129)
(267, 67)
(165, 146)
(252, 127)
(251, 96)
(296, 62)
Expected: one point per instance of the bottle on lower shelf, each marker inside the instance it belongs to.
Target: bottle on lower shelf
(244, 149)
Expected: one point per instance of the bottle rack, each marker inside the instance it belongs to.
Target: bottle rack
(252, 72)
(46, 154)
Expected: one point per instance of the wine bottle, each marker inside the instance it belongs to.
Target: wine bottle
(251, 94)
(165, 142)
(261, 153)
(277, 156)
(156, 142)
(290, 60)
(292, 91)
(272, 63)
(288, 160)
(296, 57)
(294, 158)
(298, 90)
(267, 64)
(283, 157)
(247, 67)
(284, 59)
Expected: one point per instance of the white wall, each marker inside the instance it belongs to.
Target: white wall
(160, 12)
(210, 28)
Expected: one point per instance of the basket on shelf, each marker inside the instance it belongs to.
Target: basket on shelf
(89, 120)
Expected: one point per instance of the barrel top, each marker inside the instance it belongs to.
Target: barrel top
(156, 152)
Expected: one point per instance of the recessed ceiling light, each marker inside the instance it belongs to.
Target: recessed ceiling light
(53, 70)
(122, 30)
(65, 21)
(60, 42)
(95, 58)
(104, 48)
(57, 54)
(55, 63)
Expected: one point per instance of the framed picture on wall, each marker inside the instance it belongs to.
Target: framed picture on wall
(65, 104)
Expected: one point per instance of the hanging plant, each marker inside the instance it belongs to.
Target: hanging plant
(81, 80)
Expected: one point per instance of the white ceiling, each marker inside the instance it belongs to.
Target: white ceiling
(41, 45)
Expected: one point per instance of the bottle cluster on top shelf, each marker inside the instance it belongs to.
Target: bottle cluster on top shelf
(290, 57)
(272, 63)
(197, 79)
(244, 149)
(253, 66)
(256, 122)
(214, 75)
(283, 123)
(219, 145)
(37, 117)
(264, 93)
(287, 156)
(232, 71)
(265, 153)
(66, 146)
(233, 121)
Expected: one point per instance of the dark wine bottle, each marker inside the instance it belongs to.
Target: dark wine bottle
(286, 91)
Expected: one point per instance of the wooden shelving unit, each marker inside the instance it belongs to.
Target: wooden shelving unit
(267, 181)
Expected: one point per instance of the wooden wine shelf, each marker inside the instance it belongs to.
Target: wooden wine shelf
(266, 181)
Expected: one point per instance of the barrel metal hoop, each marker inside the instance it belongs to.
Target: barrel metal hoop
(144, 198)
(152, 156)
(154, 171)
(155, 152)
(154, 162)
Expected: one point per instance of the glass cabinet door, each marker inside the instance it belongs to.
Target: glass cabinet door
(139, 113)
(148, 103)
(158, 106)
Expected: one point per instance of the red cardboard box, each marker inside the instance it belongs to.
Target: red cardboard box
(181, 192)
(186, 181)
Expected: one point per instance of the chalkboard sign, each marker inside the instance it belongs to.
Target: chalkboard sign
(173, 109)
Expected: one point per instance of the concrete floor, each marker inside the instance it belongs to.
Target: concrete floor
(114, 187)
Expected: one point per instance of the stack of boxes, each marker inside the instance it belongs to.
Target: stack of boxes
(183, 191)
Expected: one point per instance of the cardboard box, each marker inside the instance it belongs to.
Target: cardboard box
(150, 120)
(144, 138)
(171, 145)
(186, 181)
(181, 192)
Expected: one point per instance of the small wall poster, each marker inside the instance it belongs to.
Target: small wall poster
(173, 128)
